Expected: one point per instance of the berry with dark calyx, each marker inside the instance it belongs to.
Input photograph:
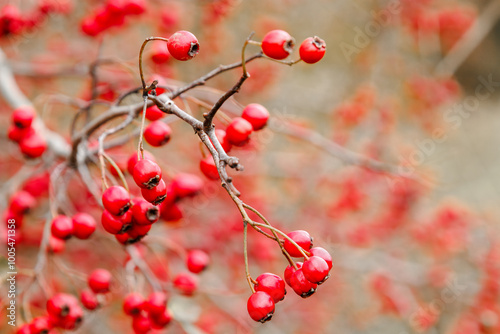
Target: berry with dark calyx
(41, 325)
(99, 281)
(183, 45)
(260, 306)
(83, 225)
(289, 272)
(62, 227)
(22, 202)
(301, 285)
(155, 195)
(186, 185)
(59, 305)
(238, 132)
(133, 304)
(197, 261)
(160, 321)
(312, 50)
(134, 159)
(144, 213)
(137, 232)
(153, 114)
(186, 283)
(89, 300)
(147, 174)
(72, 320)
(112, 224)
(302, 238)
(271, 284)
(322, 253)
(315, 270)
(222, 137)
(33, 145)
(156, 303)
(208, 168)
(22, 117)
(116, 200)
(157, 134)
(256, 114)
(277, 44)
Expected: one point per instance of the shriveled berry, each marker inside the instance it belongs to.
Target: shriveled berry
(301, 285)
(100, 280)
(197, 261)
(132, 161)
(186, 283)
(312, 50)
(256, 114)
(155, 195)
(183, 45)
(238, 132)
(271, 284)
(89, 300)
(133, 304)
(116, 200)
(260, 306)
(147, 174)
(277, 44)
(157, 134)
(62, 227)
(322, 253)
(83, 225)
(144, 213)
(315, 270)
(208, 168)
(22, 117)
(302, 238)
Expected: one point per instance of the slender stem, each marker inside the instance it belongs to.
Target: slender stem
(118, 170)
(250, 281)
(140, 148)
(301, 250)
(146, 41)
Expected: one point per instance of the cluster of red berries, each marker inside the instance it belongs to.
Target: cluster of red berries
(278, 44)
(111, 14)
(82, 226)
(147, 314)
(303, 277)
(32, 144)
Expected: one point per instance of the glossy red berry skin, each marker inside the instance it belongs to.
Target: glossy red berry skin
(33, 145)
(312, 50)
(183, 45)
(83, 225)
(222, 137)
(186, 185)
(302, 238)
(22, 202)
(157, 134)
(238, 132)
(277, 44)
(99, 281)
(322, 253)
(160, 321)
(141, 324)
(62, 227)
(155, 195)
(144, 213)
(289, 272)
(60, 304)
(147, 174)
(256, 114)
(208, 168)
(272, 284)
(260, 306)
(156, 303)
(116, 200)
(186, 283)
(301, 285)
(89, 300)
(197, 261)
(153, 114)
(133, 304)
(112, 224)
(132, 161)
(23, 117)
(315, 270)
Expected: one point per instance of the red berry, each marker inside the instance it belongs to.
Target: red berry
(132, 161)
(141, 324)
(312, 50)
(222, 137)
(277, 44)
(134, 7)
(157, 194)
(100, 280)
(24, 329)
(271, 284)
(72, 320)
(170, 212)
(33, 145)
(83, 225)
(260, 306)
(301, 285)
(302, 238)
(322, 253)
(22, 202)
(157, 134)
(89, 300)
(60, 304)
(56, 245)
(183, 45)
(41, 325)
(133, 304)
(17, 134)
(160, 54)
(208, 168)
(156, 303)
(112, 224)
(239, 131)
(256, 114)
(144, 213)
(116, 200)
(159, 321)
(22, 117)
(197, 261)
(62, 227)
(90, 27)
(315, 270)
(153, 114)
(147, 174)
(186, 283)
(136, 232)
(186, 185)
(289, 272)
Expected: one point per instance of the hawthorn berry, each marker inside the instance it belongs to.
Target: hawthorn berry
(186, 283)
(155, 195)
(134, 7)
(208, 168)
(62, 227)
(160, 54)
(260, 306)
(83, 225)
(59, 305)
(89, 300)
(136, 232)
(277, 44)
(322, 253)
(144, 213)
(271, 284)
(301, 285)
(153, 113)
(156, 303)
(22, 117)
(256, 114)
(157, 134)
(41, 325)
(315, 270)
(91, 27)
(197, 261)
(116, 200)
(312, 50)
(56, 245)
(289, 272)
(147, 174)
(33, 145)
(170, 212)
(113, 224)
(238, 132)
(22, 202)
(141, 324)
(222, 137)
(99, 281)
(133, 304)
(17, 134)
(302, 238)
(159, 321)
(24, 329)
(186, 185)
(183, 45)
(132, 161)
